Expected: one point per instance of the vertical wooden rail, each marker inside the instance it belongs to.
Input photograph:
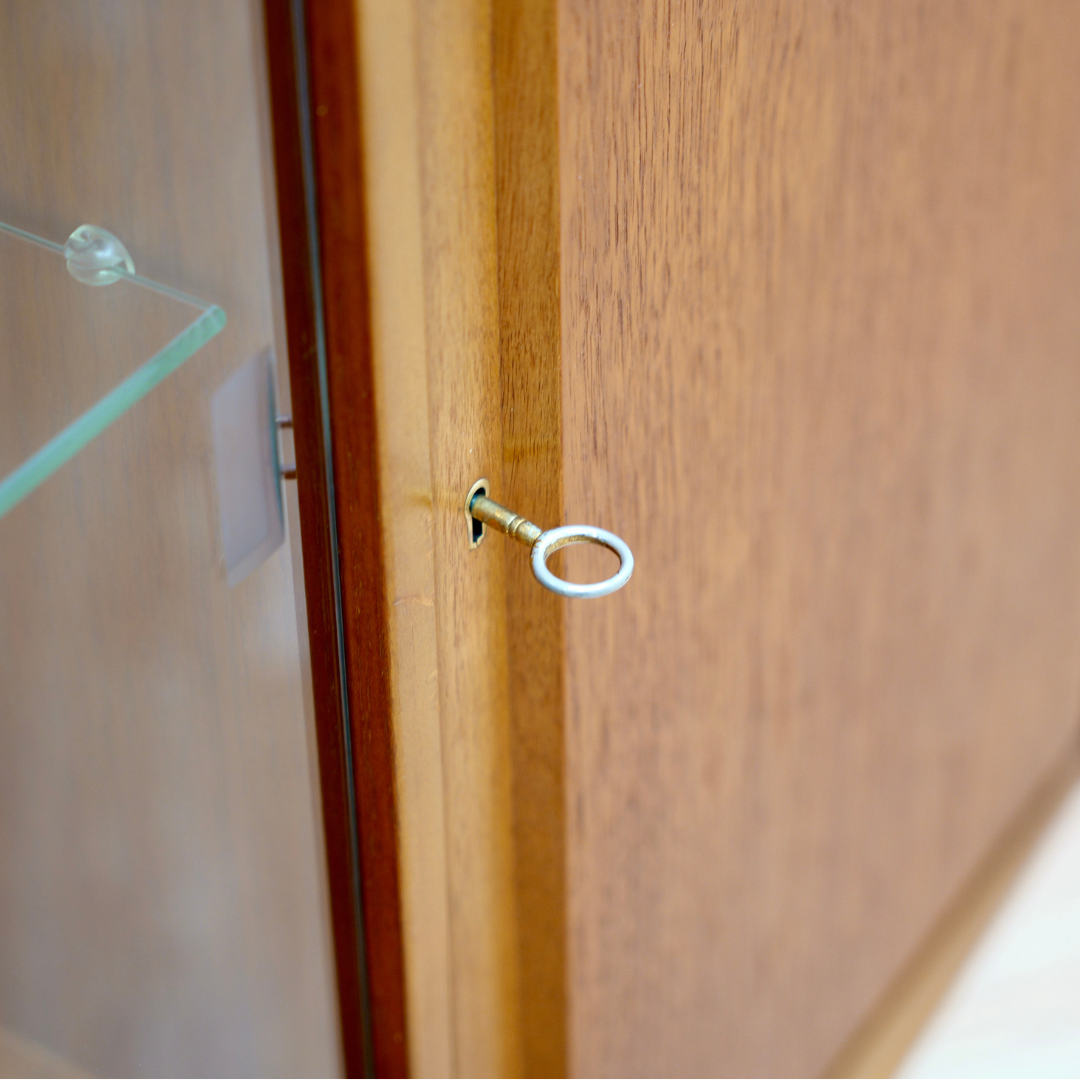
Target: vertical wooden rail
(457, 168)
(326, 300)
(390, 99)
(527, 212)
(436, 177)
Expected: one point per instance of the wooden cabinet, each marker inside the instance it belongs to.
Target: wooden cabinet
(782, 294)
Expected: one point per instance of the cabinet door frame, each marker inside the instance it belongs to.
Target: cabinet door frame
(314, 84)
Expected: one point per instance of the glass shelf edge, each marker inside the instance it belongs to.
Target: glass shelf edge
(40, 241)
(65, 445)
(119, 271)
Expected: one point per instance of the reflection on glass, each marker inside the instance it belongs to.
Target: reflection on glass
(108, 338)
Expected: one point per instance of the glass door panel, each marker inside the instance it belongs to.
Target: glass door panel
(162, 871)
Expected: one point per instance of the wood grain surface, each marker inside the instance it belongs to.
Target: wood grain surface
(427, 92)
(163, 902)
(457, 171)
(527, 201)
(819, 265)
(390, 96)
(881, 1043)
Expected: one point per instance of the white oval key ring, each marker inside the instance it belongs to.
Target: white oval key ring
(481, 511)
(550, 542)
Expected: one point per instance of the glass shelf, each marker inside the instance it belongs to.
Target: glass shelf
(80, 346)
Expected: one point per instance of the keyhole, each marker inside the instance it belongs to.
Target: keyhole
(477, 528)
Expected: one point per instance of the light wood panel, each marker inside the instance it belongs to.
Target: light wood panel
(819, 338)
(387, 45)
(162, 884)
(457, 170)
(471, 892)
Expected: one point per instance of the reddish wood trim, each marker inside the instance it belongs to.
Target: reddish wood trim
(335, 101)
(335, 105)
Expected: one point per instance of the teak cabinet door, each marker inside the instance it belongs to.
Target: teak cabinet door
(820, 365)
(784, 295)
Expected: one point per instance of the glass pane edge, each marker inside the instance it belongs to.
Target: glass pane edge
(65, 445)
